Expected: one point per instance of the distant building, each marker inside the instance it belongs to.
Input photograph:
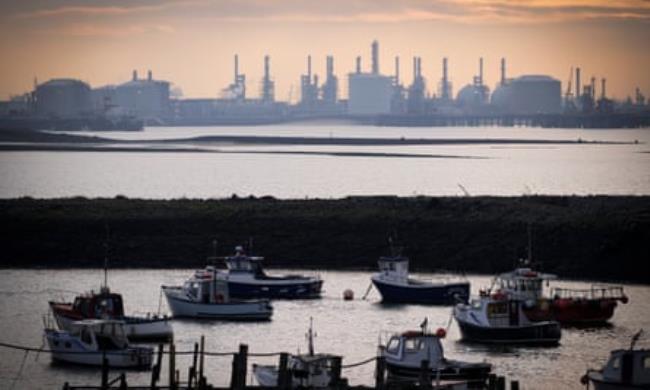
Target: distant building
(63, 98)
(369, 94)
(144, 98)
(530, 94)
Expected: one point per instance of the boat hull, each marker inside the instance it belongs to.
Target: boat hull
(573, 311)
(259, 310)
(541, 333)
(67, 349)
(284, 289)
(599, 383)
(475, 374)
(443, 294)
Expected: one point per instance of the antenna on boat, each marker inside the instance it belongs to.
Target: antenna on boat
(424, 325)
(105, 286)
(530, 244)
(310, 336)
(635, 338)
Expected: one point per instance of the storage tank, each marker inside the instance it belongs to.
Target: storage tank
(529, 94)
(63, 98)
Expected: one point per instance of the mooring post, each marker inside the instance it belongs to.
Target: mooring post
(233, 373)
(283, 374)
(425, 375)
(172, 366)
(501, 383)
(242, 366)
(335, 380)
(66, 386)
(201, 353)
(155, 372)
(492, 381)
(380, 372)
(514, 385)
(104, 372)
(191, 375)
(123, 385)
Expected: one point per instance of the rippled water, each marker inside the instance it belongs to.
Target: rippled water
(479, 169)
(351, 329)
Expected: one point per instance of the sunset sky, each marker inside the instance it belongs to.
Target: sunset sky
(192, 43)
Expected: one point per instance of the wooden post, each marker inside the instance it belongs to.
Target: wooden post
(202, 352)
(104, 372)
(172, 366)
(514, 385)
(284, 380)
(233, 373)
(492, 381)
(425, 375)
(155, 373)
(380, 372)
(66, 386)
(191, 374)
(123, 385)
(501, 383)
(242, 366)
(335, 379)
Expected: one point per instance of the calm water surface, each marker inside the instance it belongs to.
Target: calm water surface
(351, 329)
(481, 169)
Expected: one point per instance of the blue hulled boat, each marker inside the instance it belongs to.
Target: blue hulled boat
(395, 286)
(246, 279)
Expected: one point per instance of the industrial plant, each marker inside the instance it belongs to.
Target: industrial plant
(373, 98)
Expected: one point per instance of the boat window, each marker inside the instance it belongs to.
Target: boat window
(86, 337)
(496, 309)
(646, 363)
(476, 304)
(106, 343)
(393, 346)
(413, 345)
(616, 363)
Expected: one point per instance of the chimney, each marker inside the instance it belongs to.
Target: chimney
(593, 88)
(415, 68)
(236, 67)
(309, 67)
(503, 71)
(419, 67)
(445, 79)
(480, 71)
(602, 89)
(358, 64)
(375, 57)
(266, 67)
(578, 92)
(135, 75)
(330, 67)
(396, 70)
(149, 75)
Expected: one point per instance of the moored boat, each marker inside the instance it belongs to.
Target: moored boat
(246, 278)
(625, 369)
(89, 342)
(405, 352)
(205, 295)
(497, 319)
(395, 285)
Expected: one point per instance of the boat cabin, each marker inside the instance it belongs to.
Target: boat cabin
(206, 286)
(628, 367)
(498, 311)
(240, 262)
(523, 283)
(412, 347)
(100, 334)
(394, 268)
(104, 304)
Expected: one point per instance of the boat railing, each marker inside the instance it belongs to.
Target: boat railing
(595, 292)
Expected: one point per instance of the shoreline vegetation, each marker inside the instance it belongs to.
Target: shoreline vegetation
(576, 237)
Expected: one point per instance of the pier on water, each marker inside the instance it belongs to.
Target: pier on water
(195, 377)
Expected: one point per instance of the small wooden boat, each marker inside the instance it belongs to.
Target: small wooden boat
(497, 319)
(395, 285)
(625, 369)
(406, 351)
(311, 370)
(205, 295)
(89, 342)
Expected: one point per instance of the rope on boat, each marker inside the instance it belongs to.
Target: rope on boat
(361, 363)
(20, 371)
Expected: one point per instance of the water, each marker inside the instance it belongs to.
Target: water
(351, 329)
(480, 169)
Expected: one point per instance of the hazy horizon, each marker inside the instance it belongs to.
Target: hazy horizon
(192, 43)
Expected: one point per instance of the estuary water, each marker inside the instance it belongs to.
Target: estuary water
(350, 328)
(478, 162)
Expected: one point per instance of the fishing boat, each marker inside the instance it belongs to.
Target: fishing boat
(89, 342)
(395, 285)
(568, 306)
(104, 304)
(205, 295)
(625, 369)
(497, 318)
(405, 352)
(246, 279)
(310, 370)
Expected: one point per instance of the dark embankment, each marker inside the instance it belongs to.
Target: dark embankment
(605, 238)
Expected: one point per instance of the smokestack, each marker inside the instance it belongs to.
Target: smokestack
(267, 67)
(358, 64)
(593, 88)
(149, 75)
(415, 68)
(309, 67)
(135, 75)
(578, 92)
(236, 67)
(396, 70)
(602, 88)
(503, 71)
(419, 67)
(480, 71)
(375, 57)
(445, 80)
(330, 66)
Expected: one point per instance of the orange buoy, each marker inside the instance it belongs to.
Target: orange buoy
(348, 295)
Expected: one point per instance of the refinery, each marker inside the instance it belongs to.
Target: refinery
(373, 98)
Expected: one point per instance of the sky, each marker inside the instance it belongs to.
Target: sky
(192, 43)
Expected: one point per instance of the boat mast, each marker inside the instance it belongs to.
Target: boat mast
(105, 286)
(530, 244)
(310, 336)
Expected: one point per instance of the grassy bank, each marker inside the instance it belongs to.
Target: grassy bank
(604, 238)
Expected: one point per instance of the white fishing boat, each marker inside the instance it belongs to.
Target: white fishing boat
(205, 295)
(625, 369)
(405, 352)
(311, 370)
(89, 342)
